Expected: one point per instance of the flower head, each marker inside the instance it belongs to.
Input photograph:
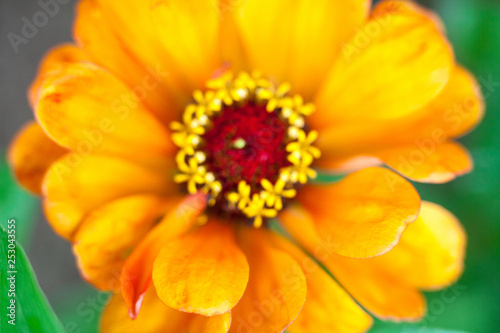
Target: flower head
(174, 135)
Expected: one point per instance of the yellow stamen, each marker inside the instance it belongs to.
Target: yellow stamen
(242, 198)
(303, 145)
(273, 194)
(207, 104)
(256, 209)
(274, 97)
(300, 170)
(192, 173)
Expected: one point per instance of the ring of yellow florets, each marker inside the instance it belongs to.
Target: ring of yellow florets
(225, 91)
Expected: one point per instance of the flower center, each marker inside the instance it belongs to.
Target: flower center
(244, 143)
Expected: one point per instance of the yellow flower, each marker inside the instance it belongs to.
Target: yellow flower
(172, 133)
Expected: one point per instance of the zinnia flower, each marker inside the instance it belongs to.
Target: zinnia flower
(178, 141)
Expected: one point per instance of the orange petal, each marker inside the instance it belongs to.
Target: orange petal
(362, 216)
(137, 271)
(345, 165)
(375, 290)
(188, 29)
(399, 62)
(427, 161)
(152, 82)
(231, 44)
(386, 296)
(454, 112)
(297, 41)
(75, 185)
(138, 25)
(408, 6)
(31, 154)
(109, 234)
(203, 272)
(53, 61)
(431, 252)
(214, 324)
(87, 109)
(276, 290)
(157, 317)
(328, 308)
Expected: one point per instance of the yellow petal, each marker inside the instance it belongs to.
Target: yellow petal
(109, 234)
(399, 62)
(53, 61)
(203, 272)
(214, 324)
(328, 308)
(276, 290)
(344, 165)
(427, 161)
(297, 41)
(386, 296)
(87, 109)
(156, 43)
(362, 216)
(231, 44)
(152, 82)
(75, 185)
(31, 154)
(189, 30)
(431, 252)
(454, 112)
(157, 317)
(397, 6)
(137, 271)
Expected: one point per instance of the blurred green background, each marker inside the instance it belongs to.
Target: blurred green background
(473, 27)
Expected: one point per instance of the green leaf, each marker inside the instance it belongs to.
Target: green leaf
(326, 178)
(17, 204)
(387, 327)
(80, 307)
(21, 291)
(413, 330)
